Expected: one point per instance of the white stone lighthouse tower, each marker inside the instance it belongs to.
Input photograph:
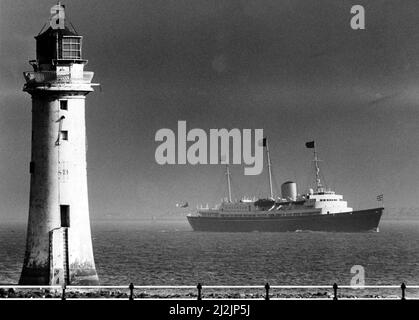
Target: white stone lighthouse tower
(58, 245)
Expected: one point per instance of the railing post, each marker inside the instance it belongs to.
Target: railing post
(63, 292)
(131, 291)
(199, 287)
(335, 291)
(403, 286)
(267, 291)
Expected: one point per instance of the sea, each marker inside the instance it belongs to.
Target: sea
(169, 253)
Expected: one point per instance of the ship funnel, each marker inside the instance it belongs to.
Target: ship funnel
(289, 190)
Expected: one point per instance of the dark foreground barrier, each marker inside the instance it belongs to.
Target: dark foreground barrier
(198, 292)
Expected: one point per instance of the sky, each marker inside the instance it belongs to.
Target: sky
(294, 68)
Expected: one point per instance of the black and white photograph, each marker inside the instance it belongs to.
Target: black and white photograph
(222, 151)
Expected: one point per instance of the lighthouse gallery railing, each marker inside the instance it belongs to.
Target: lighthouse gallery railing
(39, 77)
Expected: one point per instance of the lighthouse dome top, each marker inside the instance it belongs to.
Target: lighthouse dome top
(60, 32)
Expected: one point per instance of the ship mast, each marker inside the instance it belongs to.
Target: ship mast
(268, 159)
(319, 186)
(228, 182)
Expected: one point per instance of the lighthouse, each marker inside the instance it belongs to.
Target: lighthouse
(58, 243)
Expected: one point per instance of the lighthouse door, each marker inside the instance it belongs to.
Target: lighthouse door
(65, 216)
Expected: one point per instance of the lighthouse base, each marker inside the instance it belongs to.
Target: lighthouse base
(34, 276)
(42, 276)
(84, 277)
(60, 267)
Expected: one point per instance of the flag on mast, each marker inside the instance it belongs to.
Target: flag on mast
(310, 144)
(380, 197)
(262, 142)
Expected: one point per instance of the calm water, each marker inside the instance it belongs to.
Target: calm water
(157, 253)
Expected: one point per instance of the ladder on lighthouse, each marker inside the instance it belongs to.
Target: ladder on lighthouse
(59, 256)
(65, 257)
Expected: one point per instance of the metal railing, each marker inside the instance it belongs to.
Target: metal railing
(267, 288)
(40, 77)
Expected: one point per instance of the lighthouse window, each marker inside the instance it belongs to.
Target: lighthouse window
(71, 48)
(64, 135)
(63, 104)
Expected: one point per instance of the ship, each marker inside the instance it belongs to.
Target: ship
(320, 209)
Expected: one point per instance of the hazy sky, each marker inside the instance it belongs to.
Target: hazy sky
(294, 68)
